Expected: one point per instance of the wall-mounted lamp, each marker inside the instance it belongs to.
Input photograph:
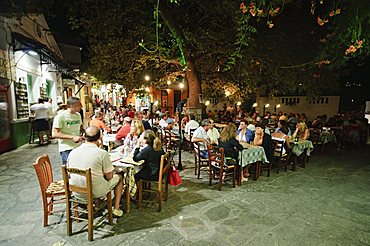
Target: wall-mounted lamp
(147, 78)
(207, 103)
(277, 106)
(239, 103)
(264, 108)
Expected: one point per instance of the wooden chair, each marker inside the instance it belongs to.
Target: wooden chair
(317, 141)
(76, 205)
(170, 142)
(146, 185)
(220, 167)
(52, 192)
(281, 159)
(199, 161)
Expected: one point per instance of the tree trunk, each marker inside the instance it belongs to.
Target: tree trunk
(194, 85)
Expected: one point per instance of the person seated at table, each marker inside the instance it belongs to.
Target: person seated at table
(264, 140)
(184, 121)
(281, 124)
(301, 131)
(282, 133)
(98, 122)
(213, 133)
(192, 124)
(200, 136)
(124, 130)
(166, 122)
(230, 144)
(151, 152)
(243, 134)
(131, 140)
(139, 127)
(89, 155)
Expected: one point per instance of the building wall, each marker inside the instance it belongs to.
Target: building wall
(328, 105)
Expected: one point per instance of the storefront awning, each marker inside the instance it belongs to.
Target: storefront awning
(23, 43)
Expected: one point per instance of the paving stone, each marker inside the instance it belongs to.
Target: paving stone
(324, 204)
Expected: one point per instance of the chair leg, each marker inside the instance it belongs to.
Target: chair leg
(199, 164)
(110, 213)
(211, 173)
(234, 176)
(69, 220)
(159, 201)
(220, 178)
(90, 226)
(46, 212)
(140, 190)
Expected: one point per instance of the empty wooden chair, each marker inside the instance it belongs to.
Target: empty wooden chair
(52, 192)
(220, 167)
(157, 186)
(317, 140)
(76, 205)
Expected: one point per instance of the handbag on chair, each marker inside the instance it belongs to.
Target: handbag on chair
(174, 178)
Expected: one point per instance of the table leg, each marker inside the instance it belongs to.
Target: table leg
(294, 159)
(258, 170)
(304, 158)
(240, 175)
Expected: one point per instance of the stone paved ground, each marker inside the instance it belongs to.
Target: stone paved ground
(328, 203)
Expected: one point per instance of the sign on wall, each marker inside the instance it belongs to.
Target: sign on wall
(4, 65)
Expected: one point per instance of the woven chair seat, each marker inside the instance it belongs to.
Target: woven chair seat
(55, 188)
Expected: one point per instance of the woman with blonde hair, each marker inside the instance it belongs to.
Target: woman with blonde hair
(151, 151)
(139, 127)
(301, 131)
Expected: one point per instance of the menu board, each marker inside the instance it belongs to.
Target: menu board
(21, 97)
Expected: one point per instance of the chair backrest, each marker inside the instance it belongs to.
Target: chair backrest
(196, 147)
(69, 188)
(315, 135)
(217, 157)
(278, 147)
(44, 172)
(164, 167)
(191, 132)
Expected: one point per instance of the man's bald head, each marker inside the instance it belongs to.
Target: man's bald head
(92, 134)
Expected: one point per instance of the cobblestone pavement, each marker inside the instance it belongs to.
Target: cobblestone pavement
(327, 203)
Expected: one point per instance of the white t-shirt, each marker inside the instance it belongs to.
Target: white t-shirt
(201, 133)
(41, 111)
(88, 155)
(68, 124)
(163, 123)
(192, 124)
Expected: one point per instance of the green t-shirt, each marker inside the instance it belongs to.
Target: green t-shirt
(68, 124)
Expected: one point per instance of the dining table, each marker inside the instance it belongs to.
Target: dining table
(125, 163)
(249, 155)
(304, 147)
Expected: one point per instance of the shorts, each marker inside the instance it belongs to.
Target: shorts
(102, 189)
(41, 125)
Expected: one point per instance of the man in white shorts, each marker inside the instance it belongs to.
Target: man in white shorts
(89, 155)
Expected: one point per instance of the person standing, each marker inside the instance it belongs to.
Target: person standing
(41, 123)
(67, 128)
(89, 155)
